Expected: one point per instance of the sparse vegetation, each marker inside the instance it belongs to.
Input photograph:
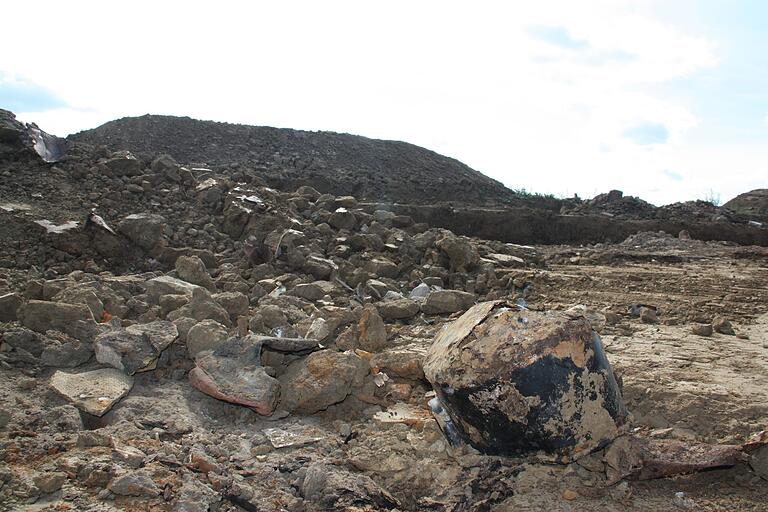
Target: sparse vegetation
(713, 198)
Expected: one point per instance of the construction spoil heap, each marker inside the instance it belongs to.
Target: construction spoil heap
(208, 317)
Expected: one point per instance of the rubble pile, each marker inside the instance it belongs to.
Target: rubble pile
(181, 337)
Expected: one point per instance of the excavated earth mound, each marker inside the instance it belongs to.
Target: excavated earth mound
(339, 163)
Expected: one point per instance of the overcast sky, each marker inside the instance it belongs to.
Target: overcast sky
(666, 100)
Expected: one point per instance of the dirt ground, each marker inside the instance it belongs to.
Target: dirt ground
(677, 384)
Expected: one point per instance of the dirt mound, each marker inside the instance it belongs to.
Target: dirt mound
(614, 204)
(752, 204)
(330, 162)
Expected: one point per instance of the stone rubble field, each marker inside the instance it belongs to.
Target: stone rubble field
(211, 343)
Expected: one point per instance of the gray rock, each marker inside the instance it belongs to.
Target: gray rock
(398, 309)
(205, 335)
(170, 303)
(705, 330)
(447, 301)
(134, 483)
(315, 290)
(272, 316)
(723, 326)
(9, 305)
(382, 267)
(66, 352)
(203, 307)
(235, 303)
(320, 380)
(195, 496)
(73, 319)
(233, 373)
(192, 269)
(122, 163)
(128, 455)
(64, 418)
(460, 252)
(371, 331)
(333, 488)
(343, 219)
(420, 292)
(82, 295)
(145, 230)
(136, 347)
(49, 482)
(167, 285)
(184, 324)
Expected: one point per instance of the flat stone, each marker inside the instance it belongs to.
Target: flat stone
(233, 373)
(167, 285)
(73, 319)
(94, 392)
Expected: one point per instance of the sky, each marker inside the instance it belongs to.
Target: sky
(666, 100)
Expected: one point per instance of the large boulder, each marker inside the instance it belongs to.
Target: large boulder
(517, 381)
(233, 373)
(320, 380)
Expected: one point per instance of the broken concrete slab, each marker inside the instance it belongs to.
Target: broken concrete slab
(94, 392)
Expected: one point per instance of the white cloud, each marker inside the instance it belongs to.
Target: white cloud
(471, 82)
